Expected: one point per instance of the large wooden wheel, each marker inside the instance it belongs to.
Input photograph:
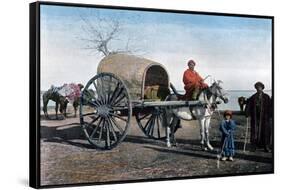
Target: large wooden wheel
(105, 111)
(151, 122)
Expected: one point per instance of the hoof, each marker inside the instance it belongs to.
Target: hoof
(175, 144)
(203, 148)
(169, 145)
(210, 147)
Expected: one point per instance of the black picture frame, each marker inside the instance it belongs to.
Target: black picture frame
(35, 90)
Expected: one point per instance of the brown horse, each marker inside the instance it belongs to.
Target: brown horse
(61, 102)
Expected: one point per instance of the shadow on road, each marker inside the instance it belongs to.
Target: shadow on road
(203, 154)
(65, 135)
(71, 133)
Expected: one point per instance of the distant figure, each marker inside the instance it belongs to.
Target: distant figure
(227, 128)
(193, 82)
(62, 96)
(258, 108)
(242, 101)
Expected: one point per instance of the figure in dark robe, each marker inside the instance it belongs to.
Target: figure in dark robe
(259, 109)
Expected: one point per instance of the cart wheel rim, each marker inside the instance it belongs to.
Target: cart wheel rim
(105, 111)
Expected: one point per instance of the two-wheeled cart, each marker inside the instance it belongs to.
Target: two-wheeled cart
(126, 86)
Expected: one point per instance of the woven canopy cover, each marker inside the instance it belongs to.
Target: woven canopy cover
(137, 73)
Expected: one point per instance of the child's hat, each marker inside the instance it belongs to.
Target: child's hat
(228, 112)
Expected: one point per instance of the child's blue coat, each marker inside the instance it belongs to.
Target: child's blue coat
(227, 140)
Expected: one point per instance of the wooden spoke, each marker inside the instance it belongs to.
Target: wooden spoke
(145, 116)
(118, 94)
(118, 116)
(113, 94)
(101, 130)
(88, 114)
(94, 120)
(98, 90)
(119, 100)
(107, 135)
(102, 85)
(96, 128)
(119, 108)
(117, 125)
(112, 129)
(158, 126)
(147, 124)
(150, 126)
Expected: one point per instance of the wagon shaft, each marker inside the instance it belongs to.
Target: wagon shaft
(168, 103)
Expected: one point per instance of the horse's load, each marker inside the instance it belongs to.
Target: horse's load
(71, 91)
(145, 79)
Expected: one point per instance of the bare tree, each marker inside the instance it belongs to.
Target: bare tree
(101, 32)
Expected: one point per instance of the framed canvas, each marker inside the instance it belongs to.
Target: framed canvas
(122, 94)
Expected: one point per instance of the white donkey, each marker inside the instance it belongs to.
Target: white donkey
(201, 113)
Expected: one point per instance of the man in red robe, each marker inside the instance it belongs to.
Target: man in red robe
(193, 82)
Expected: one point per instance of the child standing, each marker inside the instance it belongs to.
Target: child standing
(227, 127)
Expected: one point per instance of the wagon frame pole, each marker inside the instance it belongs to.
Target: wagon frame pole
(172, 104)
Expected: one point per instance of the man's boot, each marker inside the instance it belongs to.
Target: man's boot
(195, 93)
(266, 149)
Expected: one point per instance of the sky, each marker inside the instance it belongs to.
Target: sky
(236, 50)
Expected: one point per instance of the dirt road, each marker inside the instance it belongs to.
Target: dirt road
(67, 157)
